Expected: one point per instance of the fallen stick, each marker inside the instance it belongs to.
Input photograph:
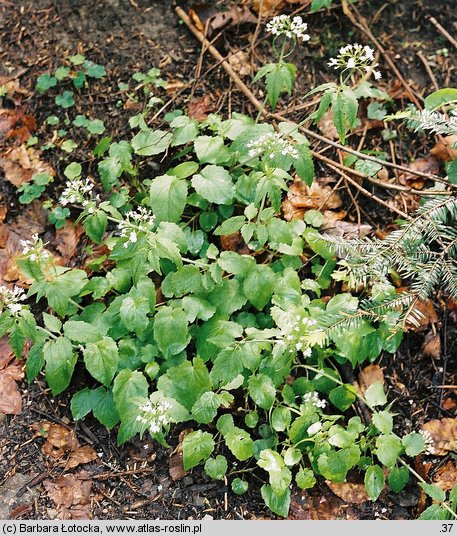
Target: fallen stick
(443, 32)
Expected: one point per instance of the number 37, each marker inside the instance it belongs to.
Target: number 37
(446, 527)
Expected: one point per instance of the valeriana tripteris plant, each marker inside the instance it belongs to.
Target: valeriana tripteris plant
(354, 61)
(279, 77)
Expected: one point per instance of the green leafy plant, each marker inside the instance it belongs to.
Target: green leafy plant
(209, 308)
(34, 188)
(280, 76)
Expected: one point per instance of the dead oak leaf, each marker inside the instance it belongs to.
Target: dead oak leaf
(71, 495)
(432, 345)
(423, 165)
(351, 493)
(370, 375)
(66, 240)
(446, 476)
(21, 163)
(199, 108)
(444, 435)
(444, 150)
(81, 456)
(301, 198)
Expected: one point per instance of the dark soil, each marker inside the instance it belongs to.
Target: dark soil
(133, 482)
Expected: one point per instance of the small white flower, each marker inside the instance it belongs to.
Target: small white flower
(355, 56)
(11, 298)
(154, 417)
(271, 145)
(429, 442)
(292, 28)
(139, 220)
(77, 191)
(314, 428)
(313, 399)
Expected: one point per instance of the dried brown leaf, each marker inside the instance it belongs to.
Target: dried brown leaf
(327, 127)
(235, 242)
(32, 220)
(350, 493)
(320, 504)
(71, 495)
(446, 476)
(81, 456)
(59, 439)
(444, 435)
(432, 345)
(175, 462)
(21, 163)
(370, 375)
(268, 8)
(444, 149)
(10, 396)
(66, 240)
(234, 16)
(302, 197)
(346, 229)
(240, 63)
(424, 315)
(199, 108)
(423, 165)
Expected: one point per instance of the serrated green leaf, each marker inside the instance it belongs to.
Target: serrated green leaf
(374, 481)
(185, 382)
(79, 331)
(196, 447)
(216, 468)
(171, 331)
(168, 197)
(214, 184)
(262, 390)
(398, 478)
(151, 142)
(101, 359)
(60, 363)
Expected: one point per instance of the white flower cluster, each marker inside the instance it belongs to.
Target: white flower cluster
(292, 28)
(11, 299)
(34, 250)
(297, 334)
(77, 191)
(155, 416)
(429, 443)
(313, 399)
(356, 57)
(271, 145)
(435, 121)
(139, 220)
